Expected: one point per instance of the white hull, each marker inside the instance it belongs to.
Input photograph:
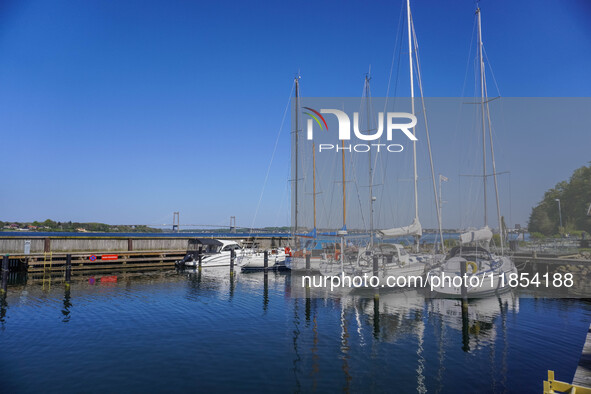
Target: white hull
(487, 280)
(218, 260)
(299, 263)
(256, 260)
(394, 265)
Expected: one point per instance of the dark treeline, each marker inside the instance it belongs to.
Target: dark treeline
(575, 198)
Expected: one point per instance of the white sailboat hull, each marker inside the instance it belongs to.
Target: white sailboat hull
(484, 282)
(299, 263)
(256, 260)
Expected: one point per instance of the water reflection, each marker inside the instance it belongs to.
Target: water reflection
(3, 309)
(475, 319)
(296, 334)
(67, 305)
(266, 291)
(265, 325)
(401, 316)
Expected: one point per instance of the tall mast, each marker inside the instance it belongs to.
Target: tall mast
(344, 196)
(367, 95)
(297, 128)
(482, 110)
(314, 177)
(412, 100)
(492, 151)
(437, 200)
(343, 232)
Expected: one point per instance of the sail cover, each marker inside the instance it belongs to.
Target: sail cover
(414, 229)
(482, 235)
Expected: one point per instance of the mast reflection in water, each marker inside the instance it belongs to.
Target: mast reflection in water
(203, 329)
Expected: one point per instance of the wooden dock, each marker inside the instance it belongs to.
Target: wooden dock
(583, 374)
(44, 262)
(548, 259)
(33, 254)
(80, 243)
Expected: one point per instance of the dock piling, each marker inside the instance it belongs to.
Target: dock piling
(68, 270)
(376, 291)
(232, 258)
(266, 260)
(200, 255)
(307, 262)
(375, 265)
(463, 275)
(4, 274)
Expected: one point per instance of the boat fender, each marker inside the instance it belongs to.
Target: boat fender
(287, 251)
(473, 265)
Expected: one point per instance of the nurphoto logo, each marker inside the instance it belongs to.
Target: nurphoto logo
(344, 132)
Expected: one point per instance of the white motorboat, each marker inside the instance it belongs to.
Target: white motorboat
(216, 254)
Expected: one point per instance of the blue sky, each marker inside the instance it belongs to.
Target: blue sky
(123, 112)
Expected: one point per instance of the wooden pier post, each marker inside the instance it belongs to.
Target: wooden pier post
(464, 290)
(307, 261)
(376, 290)
(68, 270)
(129, 244)
(47, 245)
(232, 283)
(266, 260)
(232, 257)
(4, 274)
(375, 265)
(200, 255)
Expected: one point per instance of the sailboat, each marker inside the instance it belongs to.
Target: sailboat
(486, 272)
(393, 259)
(339, 258)
(313, 249)
(305, 243)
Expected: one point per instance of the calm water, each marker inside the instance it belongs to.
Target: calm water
(187, 332)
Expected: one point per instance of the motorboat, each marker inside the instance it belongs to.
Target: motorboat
(214, 252)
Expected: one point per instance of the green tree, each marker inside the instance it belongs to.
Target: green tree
(49, 223)
(575, 197)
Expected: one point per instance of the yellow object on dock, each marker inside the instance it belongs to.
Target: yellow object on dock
(552, 386)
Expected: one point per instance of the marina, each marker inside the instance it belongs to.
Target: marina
(403, 216)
